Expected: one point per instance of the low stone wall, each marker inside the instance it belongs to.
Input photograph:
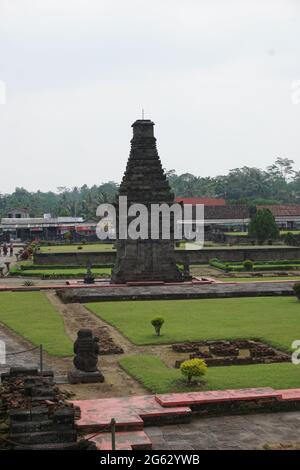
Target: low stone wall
(75, 259)
(266, 253)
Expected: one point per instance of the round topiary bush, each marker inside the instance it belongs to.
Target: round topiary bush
(193, 368)
(157, 323)
(296, 288)
(248, 264)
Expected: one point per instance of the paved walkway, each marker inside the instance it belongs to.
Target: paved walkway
(13, 345)
(229, 432)
(11, 259)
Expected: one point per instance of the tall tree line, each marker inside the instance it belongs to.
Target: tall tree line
(278, 183)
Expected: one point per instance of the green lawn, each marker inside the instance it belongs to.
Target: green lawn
(158, 378)
(56, 272)
(31, 315)
(273, 319)
(74, 248)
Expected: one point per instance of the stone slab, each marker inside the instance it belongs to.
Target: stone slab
(292, 394)
(196, 398)
(80, 377)
(129, 412)
(176, 291)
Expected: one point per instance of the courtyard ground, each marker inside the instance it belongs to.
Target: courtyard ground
(257, 431)
(43, 318)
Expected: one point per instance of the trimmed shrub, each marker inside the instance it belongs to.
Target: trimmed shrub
(193, 368)
(157, 323)
(296, 288)
(248, 264)
(28, 283)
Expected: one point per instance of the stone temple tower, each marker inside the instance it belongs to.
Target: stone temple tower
(145, 182)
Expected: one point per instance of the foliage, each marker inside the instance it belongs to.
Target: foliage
(291, 239)
(81, 201)
(157, 322)
(263, 226)
(193, 368)
(279, 183)
(28, 283)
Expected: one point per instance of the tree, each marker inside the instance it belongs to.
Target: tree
(263, 226)
(157, 323)
(193, 368)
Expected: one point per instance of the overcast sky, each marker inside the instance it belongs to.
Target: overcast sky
(214, 75)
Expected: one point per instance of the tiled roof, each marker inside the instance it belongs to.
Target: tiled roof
(207, 201)
(283, 210)
(226, 212)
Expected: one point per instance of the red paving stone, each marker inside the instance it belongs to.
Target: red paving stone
(193, 398)
(291, 394)
(130, 412)
(133, 440)
(127, 411)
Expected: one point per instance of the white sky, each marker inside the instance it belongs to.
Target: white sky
(214, 75)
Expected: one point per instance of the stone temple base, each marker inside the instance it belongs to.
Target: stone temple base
(79, 377)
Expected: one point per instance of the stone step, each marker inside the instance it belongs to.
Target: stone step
(51, 437)
(48, 446)
(130, 413)
(30, 426)
(198, 398)
(38, 426)
(133, 440)
(40, 413)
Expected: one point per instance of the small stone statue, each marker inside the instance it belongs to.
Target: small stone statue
(86, 351)
(89, 277)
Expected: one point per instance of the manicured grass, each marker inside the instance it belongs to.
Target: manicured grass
(56, 272)
(259, 279)
(74, 248)
(158, 378)
(237, 234)
(31, 315)
(273, 319)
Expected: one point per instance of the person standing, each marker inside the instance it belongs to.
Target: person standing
(11, 249)
(5, 249)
